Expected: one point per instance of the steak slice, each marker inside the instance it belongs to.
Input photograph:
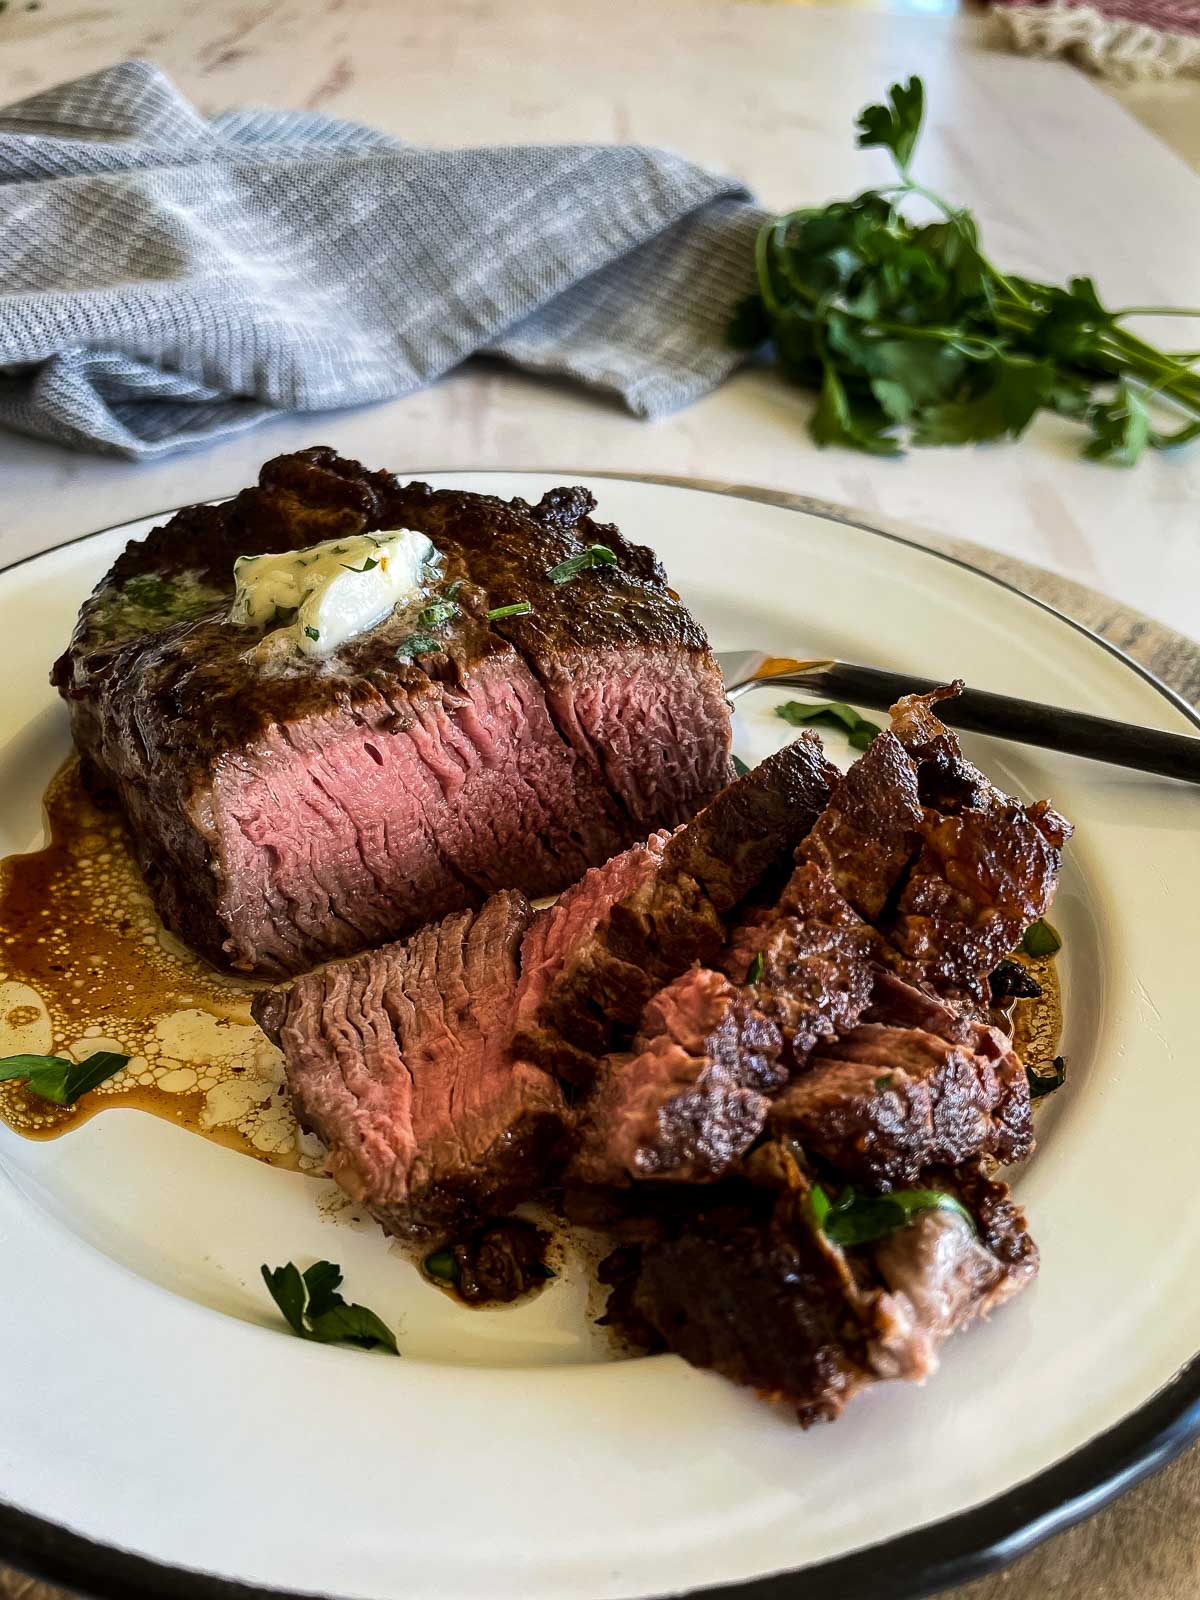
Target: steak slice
(813, 958)
(881, 1104)
(397, 1059)
(929, 852)
(287, 810)
(673, 917)
(691, 1098)
(755, 1291)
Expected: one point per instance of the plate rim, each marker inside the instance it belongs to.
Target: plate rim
(910, 1566)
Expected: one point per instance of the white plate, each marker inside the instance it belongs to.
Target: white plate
(150, 1401)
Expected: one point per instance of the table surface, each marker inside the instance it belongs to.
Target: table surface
(1062, 176)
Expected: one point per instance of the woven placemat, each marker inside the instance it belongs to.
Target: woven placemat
(1147, 1545)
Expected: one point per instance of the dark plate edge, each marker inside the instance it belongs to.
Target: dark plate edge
(911, 1566)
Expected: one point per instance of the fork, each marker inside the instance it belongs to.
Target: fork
(1076, 733)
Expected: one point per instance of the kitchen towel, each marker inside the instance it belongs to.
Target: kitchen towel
(1121, 39)
(168, 279)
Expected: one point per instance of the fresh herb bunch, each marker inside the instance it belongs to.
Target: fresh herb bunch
(911, 335)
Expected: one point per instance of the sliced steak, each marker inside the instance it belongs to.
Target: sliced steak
(881, 1104)
(691, 1098)
(871, 828)
(673, 917)
(811, 959)
(286, 810)
(398, 1060)
(754, 1290)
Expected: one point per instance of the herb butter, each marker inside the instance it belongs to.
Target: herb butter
(330, 593)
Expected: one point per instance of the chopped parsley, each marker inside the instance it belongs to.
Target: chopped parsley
(739, 766)
(442, 1267)
(312, 633)
(1040, 939)
(858, 1218)
(519, 608)
(368, 565)
(832, 714)
(313, 1309)
(596, 555)
(755, 971)
(418, 644)
(61, 1081)
(1045, 1079)
(437, 613)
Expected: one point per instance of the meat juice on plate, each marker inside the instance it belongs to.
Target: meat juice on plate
(86, 965)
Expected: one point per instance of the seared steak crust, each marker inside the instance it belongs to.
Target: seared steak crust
(286, 815)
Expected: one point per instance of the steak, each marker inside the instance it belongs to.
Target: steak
(881, 1104)
(673, 917)
(813, 958)
(692, 1096)
(751, 1288)
(287, 813)
(398, 1060)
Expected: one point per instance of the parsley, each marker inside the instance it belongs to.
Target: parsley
(858, 1218)
(883, 1082)
(596, 555)
(519, 608)
(1040, 939)
(755, 971)
(368, 564)
(1045, 1079)
(437, 613)
(61, 1081)
(909, 334)
(418, 644)
(833, 714)
(312, 633)
(313, 1308)
(739, 766)
(442, 1267)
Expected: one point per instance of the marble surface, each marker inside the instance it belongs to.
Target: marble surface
(1061, 176)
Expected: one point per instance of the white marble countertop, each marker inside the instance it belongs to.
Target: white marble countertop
(1063, 178)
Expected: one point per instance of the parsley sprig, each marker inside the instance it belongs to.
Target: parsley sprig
(53, 1078)
(314, 1309)
(910, 334)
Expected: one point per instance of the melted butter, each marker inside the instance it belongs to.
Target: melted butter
(86, 965)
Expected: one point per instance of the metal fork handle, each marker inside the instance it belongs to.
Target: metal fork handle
(1120, 744)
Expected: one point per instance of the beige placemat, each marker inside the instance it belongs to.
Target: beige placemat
(1147, 1545)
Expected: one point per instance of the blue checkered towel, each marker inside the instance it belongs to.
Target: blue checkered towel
(166, 279)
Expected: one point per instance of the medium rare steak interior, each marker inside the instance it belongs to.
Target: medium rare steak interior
(287, 809)
(757, 1047)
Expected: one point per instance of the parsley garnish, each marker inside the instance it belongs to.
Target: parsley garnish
(755, 970)
(833, 714)
(418, 644)
(910, 334)
(368, 564)
(1045, 1079)
(596, 555)
(314, 1309)
(437, 613)
(1040, 939)
(739, 766)
(858, 1218)
(61, 1081)
(312, 633)
(519, 608)
(442, 1267)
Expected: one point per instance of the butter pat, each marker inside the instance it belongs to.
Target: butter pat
(331, 593)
